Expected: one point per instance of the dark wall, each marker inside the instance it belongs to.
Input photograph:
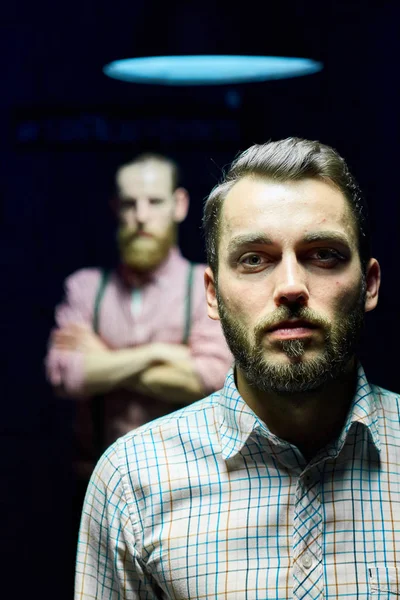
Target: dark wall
(65, 128)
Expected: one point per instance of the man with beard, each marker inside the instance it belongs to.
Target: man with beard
(136, 341)
(285, 484)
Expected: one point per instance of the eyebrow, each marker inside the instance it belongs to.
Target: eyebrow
(262, 239)
(326, 236)
(249, 239)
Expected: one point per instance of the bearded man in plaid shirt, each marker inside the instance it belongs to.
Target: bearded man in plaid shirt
(285, 483)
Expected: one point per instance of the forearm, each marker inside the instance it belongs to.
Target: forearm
(106, 371)
(175, 383)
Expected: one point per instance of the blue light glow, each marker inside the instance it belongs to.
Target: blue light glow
(209, 70)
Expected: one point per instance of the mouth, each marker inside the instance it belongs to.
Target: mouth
(294, 329)
(139, 235)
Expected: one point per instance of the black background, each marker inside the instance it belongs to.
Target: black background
(65, 128)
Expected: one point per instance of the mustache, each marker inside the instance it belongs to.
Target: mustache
(127, 235)
(294, 311)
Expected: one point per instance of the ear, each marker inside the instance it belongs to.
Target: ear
(373, 280)
(181, 196)
(211, 295)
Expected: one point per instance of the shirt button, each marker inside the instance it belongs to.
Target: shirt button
(306, 561)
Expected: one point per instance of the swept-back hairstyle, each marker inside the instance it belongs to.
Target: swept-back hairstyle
(291, 159)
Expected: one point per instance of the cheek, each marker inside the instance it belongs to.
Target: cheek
(162, 222)
(245, 293)
(128, 220)
(244, 304)
(342, 297)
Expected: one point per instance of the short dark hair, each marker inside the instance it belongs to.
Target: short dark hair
(291, 159)
(153, 156)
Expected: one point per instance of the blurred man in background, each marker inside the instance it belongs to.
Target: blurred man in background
(135, 343)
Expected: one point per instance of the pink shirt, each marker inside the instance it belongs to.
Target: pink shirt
(132, 316)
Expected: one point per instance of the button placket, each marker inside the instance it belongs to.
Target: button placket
(307, 544)
(306, 560)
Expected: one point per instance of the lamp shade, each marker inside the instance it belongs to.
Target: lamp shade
(209, 69)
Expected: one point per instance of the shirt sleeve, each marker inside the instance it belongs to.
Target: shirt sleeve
(210, 353)
(108, 565)
(64, 369)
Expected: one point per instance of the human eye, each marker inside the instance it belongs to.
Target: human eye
(327, 257)
(252, 261)
(127, 204)
(156, 201)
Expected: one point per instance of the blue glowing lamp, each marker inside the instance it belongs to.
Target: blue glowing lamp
(209, 70)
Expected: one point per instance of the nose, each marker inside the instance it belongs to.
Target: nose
(290, 285)
(142, 210)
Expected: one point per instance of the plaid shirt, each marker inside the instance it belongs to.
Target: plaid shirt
(207, 503)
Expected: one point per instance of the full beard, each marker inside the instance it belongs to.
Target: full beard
(298, 376)
(141, 254)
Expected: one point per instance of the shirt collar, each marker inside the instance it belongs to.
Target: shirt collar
(237, 421)
(363, 410)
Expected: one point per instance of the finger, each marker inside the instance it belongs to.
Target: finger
(63, 346)
(65, 339)
(73, 329)
(60, 334)
(79, 327)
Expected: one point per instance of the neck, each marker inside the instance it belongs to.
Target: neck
(133, 277)
(309, 420)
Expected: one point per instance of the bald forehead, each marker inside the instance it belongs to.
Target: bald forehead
(253, 201)
(273, 190)
(145, 174)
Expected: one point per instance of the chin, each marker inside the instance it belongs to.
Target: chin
(142, 266)
(144, 261)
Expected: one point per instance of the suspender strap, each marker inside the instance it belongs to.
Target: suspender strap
(97, 403)
(99, 297)
(188, 304)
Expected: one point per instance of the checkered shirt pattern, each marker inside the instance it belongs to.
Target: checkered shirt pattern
(206, 503)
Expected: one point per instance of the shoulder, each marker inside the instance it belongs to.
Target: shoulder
(84, 281)
(196, 271)
(81, 287)
(169, 440)
(90, 276)
(384, 395)
(198, 276)
(387, 399)
(388, 407)
(199, 268)
(194, 417)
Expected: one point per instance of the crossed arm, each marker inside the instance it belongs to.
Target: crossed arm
(159, 369)
(79, 363)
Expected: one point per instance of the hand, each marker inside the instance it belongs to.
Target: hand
(166, 353)
(173, 384)
(78, 338)
(164, 362)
